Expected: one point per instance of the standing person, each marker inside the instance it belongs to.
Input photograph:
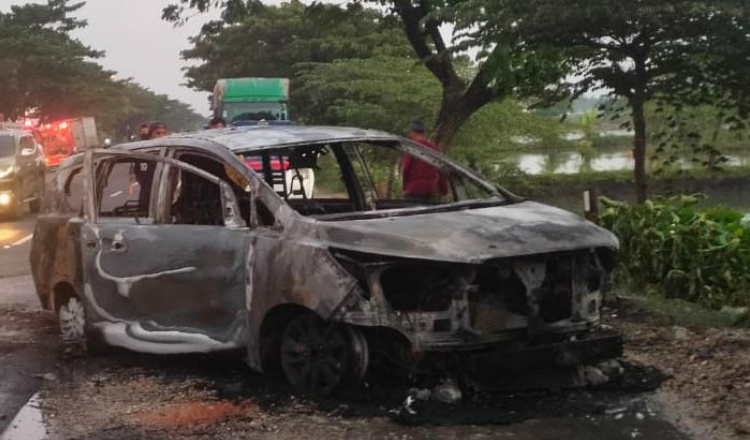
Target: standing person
(157, 130)
(143, 132)
(217, 123)
(422, 182)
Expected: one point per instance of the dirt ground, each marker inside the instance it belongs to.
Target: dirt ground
(703, 377)
(709, 369)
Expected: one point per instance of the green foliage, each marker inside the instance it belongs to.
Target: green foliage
(42, 66)
(501, 128)
(678, 52)
(673, 249)
(686, 314)
(259, 40)
(383, 93)
(137, 105)
(45, 70)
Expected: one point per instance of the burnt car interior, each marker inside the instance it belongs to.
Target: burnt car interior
(339, 178)
(126, 187)
(197, 201)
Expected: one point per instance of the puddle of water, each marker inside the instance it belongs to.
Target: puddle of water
(28, 423)
(192, 413)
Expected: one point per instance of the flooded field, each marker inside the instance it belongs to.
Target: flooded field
(571, 162)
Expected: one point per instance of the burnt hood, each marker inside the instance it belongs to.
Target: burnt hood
(470, 235)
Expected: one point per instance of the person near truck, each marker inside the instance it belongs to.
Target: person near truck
(422, 182)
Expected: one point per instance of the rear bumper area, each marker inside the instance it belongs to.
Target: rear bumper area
(489, 366)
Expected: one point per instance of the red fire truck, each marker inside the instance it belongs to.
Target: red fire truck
(60, 139)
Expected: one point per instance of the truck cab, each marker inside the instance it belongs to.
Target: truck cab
(252, 99)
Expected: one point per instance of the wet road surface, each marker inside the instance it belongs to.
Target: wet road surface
(27, 339)
(115, 396)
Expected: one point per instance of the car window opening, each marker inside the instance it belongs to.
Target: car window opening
(210, 198)
(360, 177)
(126, 192)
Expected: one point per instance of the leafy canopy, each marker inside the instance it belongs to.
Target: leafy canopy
(256, 40)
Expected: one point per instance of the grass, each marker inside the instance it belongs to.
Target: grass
(685, 314)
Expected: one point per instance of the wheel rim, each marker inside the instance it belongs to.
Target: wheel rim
(316, 356)
(72, 320)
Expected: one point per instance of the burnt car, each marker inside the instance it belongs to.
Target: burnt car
(299, 246)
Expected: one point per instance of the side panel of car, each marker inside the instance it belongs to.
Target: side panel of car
(169, 286)
(55, 252)
(290, 272)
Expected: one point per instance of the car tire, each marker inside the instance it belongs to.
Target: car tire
(72, 325)
(319, 357)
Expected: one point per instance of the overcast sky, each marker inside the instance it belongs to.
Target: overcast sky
(138, 43)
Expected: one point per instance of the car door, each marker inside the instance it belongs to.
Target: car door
(164, 254)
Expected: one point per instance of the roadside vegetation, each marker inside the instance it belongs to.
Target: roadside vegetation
(670, 248)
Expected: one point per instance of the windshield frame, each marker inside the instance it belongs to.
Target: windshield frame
(496, 195)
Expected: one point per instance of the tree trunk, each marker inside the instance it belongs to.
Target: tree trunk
(457, 107)
(639, 150)
(638, 104)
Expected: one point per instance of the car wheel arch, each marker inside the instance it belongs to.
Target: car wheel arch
(61, 293)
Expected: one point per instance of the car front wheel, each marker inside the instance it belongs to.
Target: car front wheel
(318, 357)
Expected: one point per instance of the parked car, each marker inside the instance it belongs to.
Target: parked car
(22, 173)
(177, 245)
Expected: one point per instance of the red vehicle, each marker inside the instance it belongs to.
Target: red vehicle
(61, 139)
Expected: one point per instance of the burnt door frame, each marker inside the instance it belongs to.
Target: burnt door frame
(155, 301)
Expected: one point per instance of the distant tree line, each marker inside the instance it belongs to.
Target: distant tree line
(45, 70)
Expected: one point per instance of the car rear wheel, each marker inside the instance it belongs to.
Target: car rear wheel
(318, 357)
(71, 320)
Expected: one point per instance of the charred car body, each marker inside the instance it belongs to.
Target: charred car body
(179, 245)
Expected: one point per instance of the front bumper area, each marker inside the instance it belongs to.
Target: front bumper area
(558, 355)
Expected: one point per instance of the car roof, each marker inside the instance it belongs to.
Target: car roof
(243, 139)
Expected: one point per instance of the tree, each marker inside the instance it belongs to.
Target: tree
(503, 67)
(43, 67)
(253, 39)
(139, 105)
(383, 93)
(681, 52)
(44, 70)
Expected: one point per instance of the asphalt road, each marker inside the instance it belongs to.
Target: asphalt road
(29, 349)
(27, 341)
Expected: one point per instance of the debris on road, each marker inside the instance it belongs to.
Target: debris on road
(710, 368)
(447, 392)
(595, 376)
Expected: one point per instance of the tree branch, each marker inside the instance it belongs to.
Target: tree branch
(439, 64)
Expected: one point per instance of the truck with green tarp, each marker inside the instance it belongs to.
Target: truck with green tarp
(251, 99)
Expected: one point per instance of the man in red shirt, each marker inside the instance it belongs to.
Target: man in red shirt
(422, 181)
